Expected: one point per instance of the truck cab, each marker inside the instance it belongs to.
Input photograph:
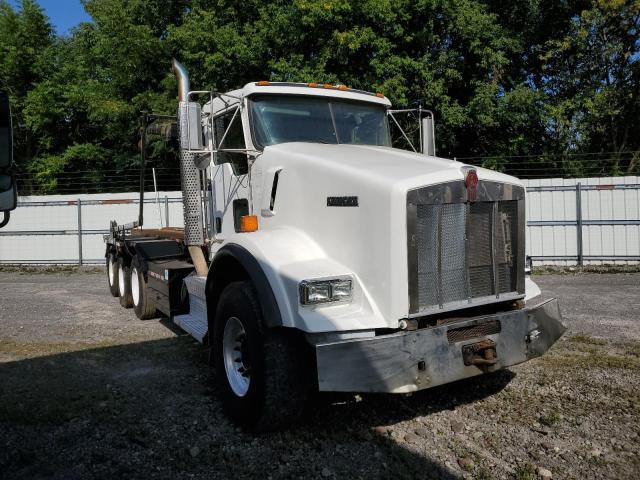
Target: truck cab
(263, 116)
(317, 257)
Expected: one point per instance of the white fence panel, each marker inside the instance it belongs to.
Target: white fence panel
(552, 243)
(44, 229)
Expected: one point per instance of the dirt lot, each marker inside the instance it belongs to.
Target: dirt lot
(89, 391)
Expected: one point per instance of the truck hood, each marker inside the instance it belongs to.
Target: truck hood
(381, 165)
(365, 237)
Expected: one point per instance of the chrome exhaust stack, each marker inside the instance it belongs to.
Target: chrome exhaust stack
(182, 76)
(189, 121)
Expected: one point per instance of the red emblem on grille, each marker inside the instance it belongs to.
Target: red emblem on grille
(471, 181)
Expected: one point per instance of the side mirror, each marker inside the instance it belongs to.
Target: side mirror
(6, 137)
(8, 191)
(190, 121)
(8, 198)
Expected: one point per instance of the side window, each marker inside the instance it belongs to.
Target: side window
(233, 140)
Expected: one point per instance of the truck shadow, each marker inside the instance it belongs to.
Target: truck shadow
(390, 409)
(149, 410)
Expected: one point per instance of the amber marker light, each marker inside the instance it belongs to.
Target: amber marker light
(248, 223)
(343, 87)
(380, 94)
(263, 83)
(312, 84)
(327, 85)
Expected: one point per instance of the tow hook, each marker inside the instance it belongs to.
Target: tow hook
(481, 354)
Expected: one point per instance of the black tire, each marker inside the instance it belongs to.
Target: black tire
(144, 307)
(279, 384)
(124, 284)
(112, 274)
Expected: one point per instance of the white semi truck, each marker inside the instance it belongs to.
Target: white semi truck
(316, 257)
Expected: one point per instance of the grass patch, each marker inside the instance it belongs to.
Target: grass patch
(575, 270)
(525, 472)
(596, 460)
(550, 419)
(632, 350)
(482, 472)
(543, 379)
(32, 350)
(586, 352)
(593, 359)
(586, 339)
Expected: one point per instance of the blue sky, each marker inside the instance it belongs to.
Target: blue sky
(64, 14)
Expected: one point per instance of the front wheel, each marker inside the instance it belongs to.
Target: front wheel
(260, 373)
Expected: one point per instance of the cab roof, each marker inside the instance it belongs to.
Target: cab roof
(289, 88)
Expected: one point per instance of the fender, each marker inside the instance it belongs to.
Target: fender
(276, 261)
(218, 278)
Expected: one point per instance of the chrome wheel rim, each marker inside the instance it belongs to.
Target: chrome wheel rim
(121, 281)
(135, 286)
(234, 351)
(110, 272)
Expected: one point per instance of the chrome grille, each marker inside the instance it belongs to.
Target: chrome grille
(464, 253)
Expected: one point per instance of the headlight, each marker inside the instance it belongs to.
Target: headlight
(313, 292)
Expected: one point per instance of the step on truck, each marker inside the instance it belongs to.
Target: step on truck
(317, 257)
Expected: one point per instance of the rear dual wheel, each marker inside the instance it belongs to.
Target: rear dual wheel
(112, 275)
(142, 304)
(124, 283)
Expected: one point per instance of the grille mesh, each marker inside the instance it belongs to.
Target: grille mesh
(474, 331)
(507, 238)
(480, 246)
(452, 246)
(428, 244)
(465, 251)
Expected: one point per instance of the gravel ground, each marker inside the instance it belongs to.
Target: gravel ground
(89, 391)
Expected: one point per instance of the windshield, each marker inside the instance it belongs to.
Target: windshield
(281, 119)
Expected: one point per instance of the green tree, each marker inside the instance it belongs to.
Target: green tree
(85, 112)
(593, 76)
(26, 45)
(505, 78)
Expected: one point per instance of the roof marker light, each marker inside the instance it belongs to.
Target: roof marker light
(380, 94)
(312, 84)
(327, 85)
(342, 87)
(263, 83)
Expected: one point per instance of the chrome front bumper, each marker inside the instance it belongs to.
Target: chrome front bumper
(414, 360)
